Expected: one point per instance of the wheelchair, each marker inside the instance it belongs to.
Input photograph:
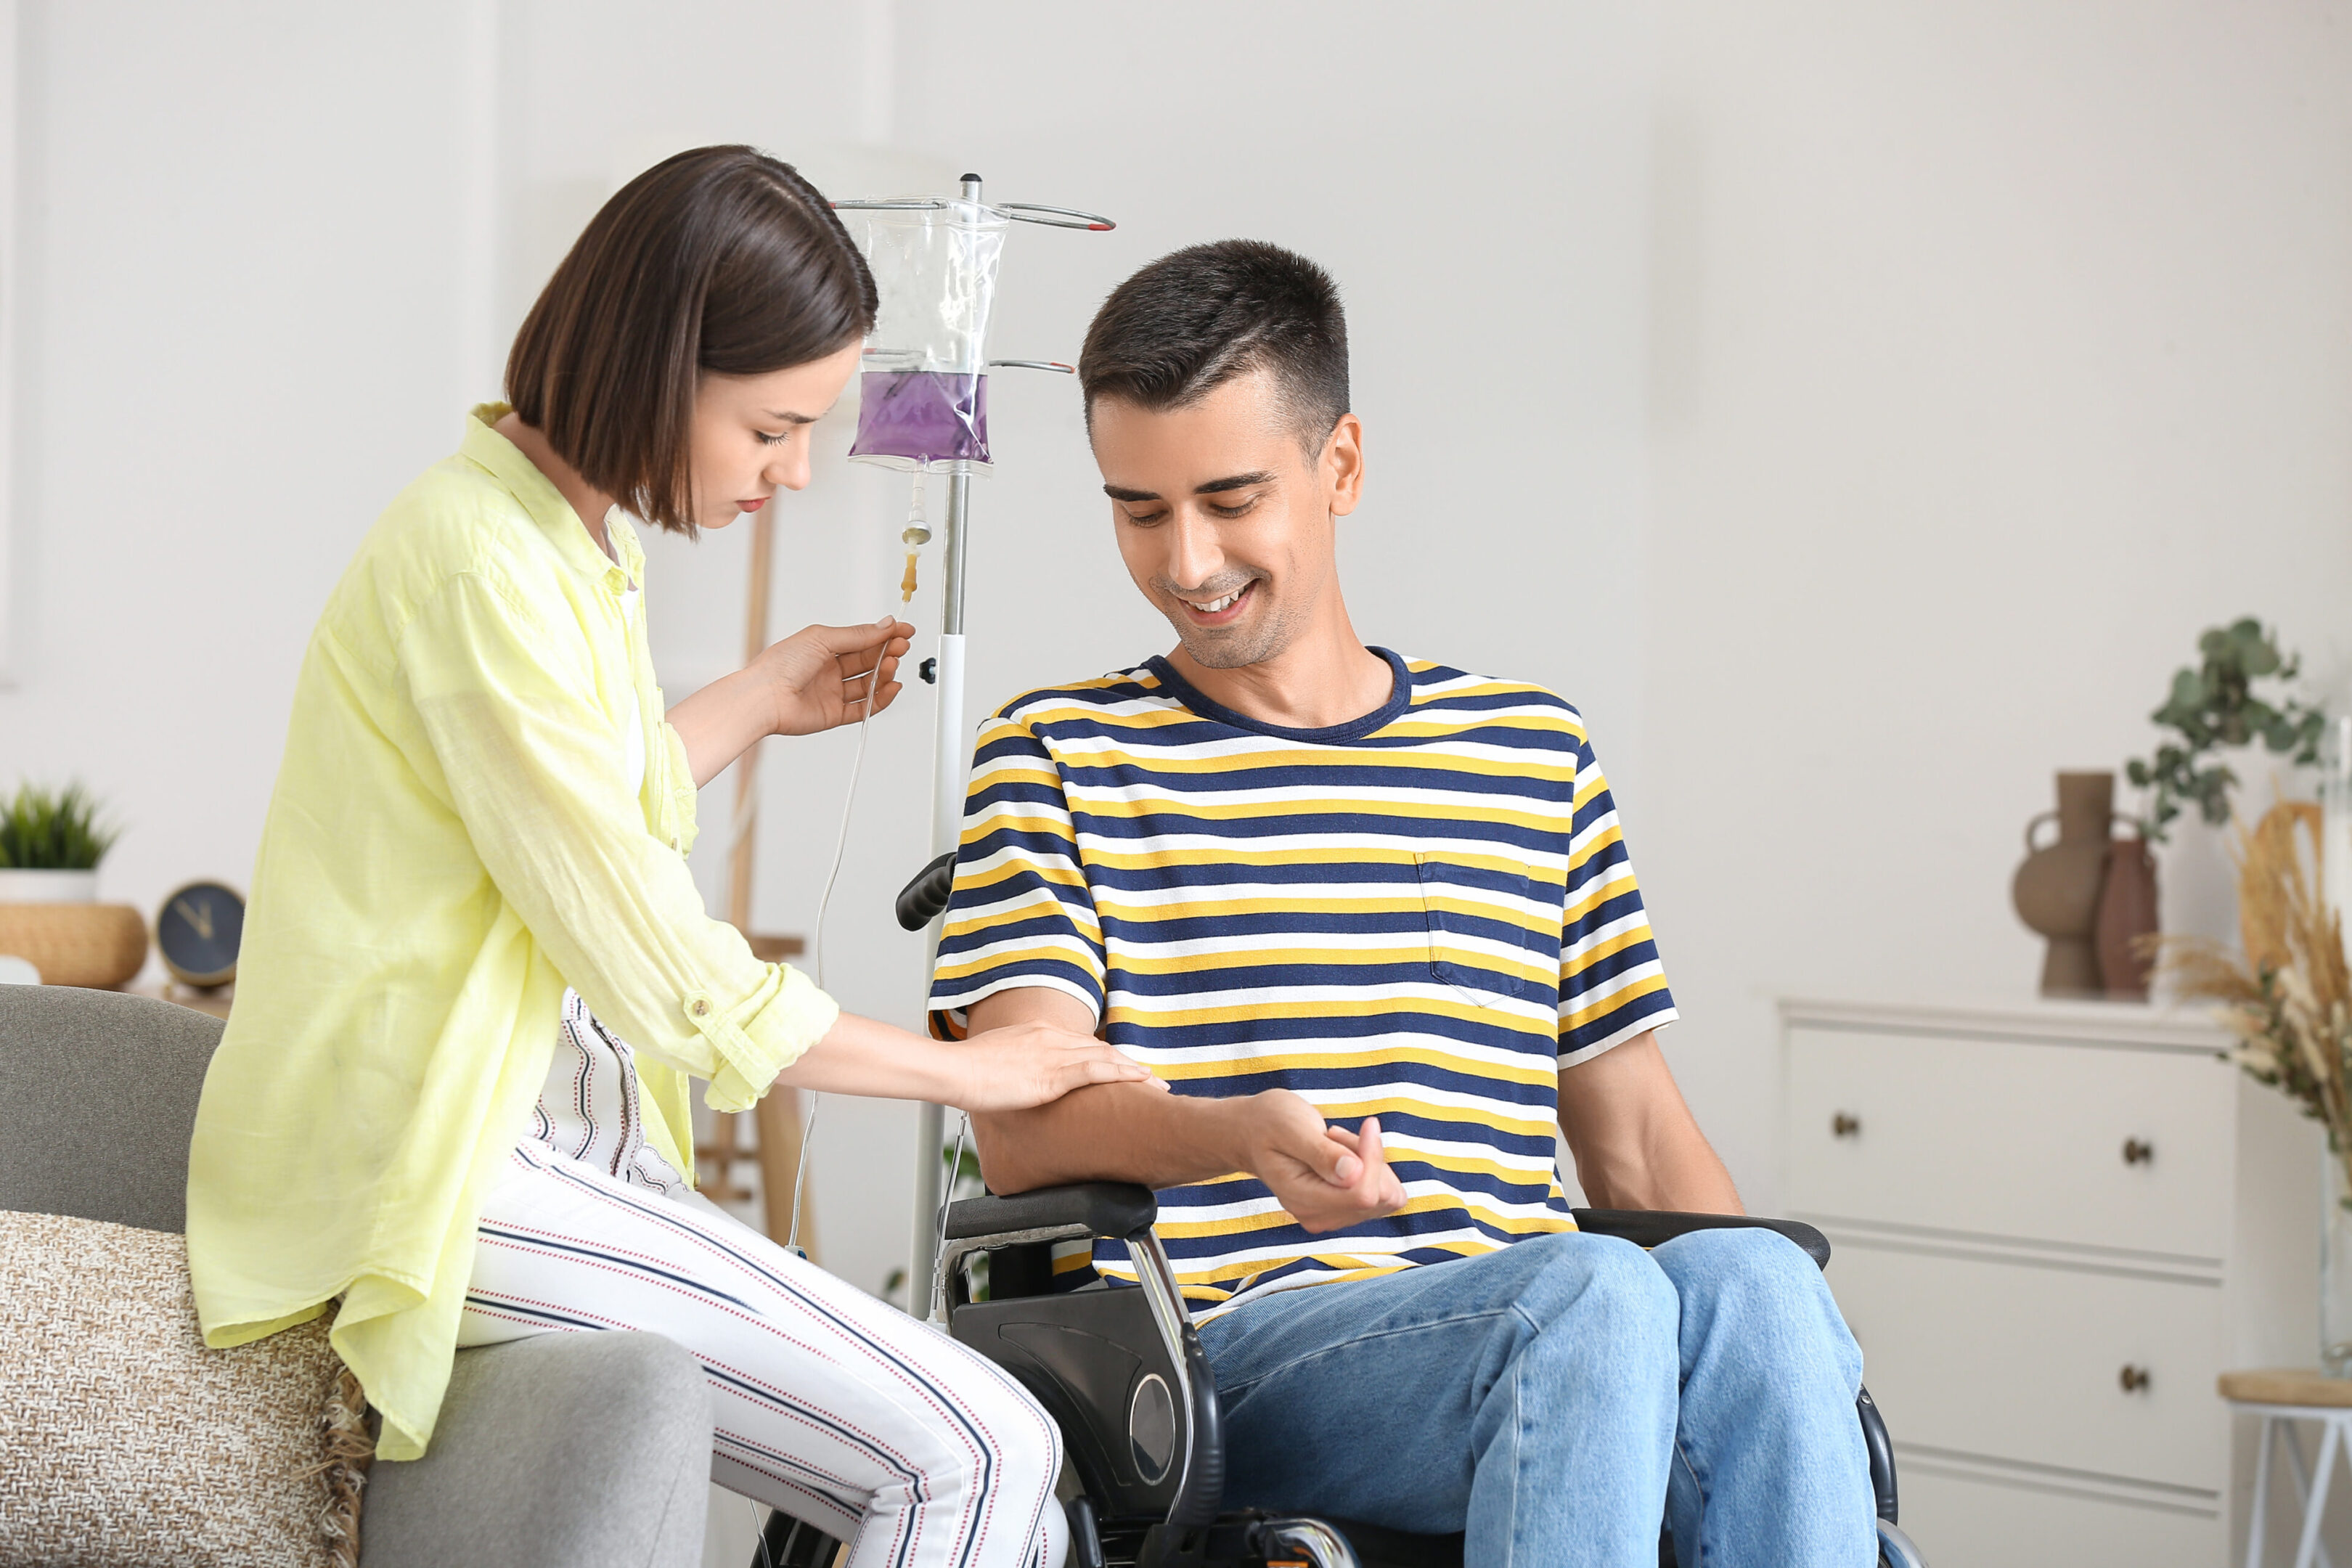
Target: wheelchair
(1122, 1374)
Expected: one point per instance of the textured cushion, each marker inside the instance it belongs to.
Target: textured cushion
(124, 1440)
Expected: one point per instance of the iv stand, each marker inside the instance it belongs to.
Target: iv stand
(948, 746)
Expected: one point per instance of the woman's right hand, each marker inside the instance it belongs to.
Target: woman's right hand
(1021, 1065)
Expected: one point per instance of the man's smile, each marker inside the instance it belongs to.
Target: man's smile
(1219, 611)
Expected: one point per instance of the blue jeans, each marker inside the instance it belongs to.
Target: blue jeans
(1555, 1399)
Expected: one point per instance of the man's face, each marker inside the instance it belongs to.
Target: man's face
(1224, 518)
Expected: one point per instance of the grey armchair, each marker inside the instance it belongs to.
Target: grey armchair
(575, 1450)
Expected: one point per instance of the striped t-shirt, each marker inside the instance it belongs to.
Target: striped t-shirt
(1422, 915)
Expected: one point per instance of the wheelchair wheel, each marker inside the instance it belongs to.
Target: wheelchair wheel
(1895, 1549)
(788, 1543)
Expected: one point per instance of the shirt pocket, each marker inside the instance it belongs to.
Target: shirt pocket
(1477, 943)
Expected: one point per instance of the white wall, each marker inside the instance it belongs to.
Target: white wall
(1997, 351)
(238, 336)
(1857, 410)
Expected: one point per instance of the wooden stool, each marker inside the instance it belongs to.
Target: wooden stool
(2283, 1396)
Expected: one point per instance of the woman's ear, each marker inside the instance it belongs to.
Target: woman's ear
(1342, 466)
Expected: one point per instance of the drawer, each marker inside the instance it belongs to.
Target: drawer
(2013, 1138)
(2021, 1361)
(1963, 1520)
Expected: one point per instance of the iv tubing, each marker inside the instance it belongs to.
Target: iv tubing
(824, 903)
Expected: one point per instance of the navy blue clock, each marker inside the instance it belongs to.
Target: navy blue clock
(197, 933)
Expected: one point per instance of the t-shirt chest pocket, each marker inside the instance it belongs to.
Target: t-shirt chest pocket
(1477, 942)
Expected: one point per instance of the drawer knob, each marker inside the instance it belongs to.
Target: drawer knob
(1844, 1126)
(2133, 1378)
(2138, 1153)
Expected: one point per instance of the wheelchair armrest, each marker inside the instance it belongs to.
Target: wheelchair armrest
(1648, 1227)
(1105, 1208)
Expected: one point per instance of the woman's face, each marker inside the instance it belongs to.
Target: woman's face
(752, 433)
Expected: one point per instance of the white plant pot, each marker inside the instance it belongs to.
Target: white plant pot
(19, 887)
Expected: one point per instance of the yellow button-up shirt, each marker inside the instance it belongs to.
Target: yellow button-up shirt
(451, 841)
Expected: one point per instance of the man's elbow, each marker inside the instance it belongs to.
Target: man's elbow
(1002, 1161)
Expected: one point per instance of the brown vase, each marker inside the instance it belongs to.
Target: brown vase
(2126, 916)
(2057, 888)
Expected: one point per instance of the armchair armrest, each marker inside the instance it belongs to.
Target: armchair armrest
(529, 1467)
(1105, 1208)
(1648, 1227)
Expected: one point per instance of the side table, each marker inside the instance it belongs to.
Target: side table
(215, 1002)
(2283, 1396)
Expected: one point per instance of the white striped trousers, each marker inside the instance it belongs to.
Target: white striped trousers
(831, 1406)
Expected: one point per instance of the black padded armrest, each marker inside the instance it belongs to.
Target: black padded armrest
(1106, 1208)
(1647, 1228)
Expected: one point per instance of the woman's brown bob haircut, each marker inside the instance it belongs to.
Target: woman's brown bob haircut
(721, 259)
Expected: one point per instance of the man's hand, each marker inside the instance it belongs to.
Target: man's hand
(1325, 1177)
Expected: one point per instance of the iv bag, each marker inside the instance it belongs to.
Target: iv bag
(923, 395)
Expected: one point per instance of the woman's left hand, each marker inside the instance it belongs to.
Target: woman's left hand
(817, 678)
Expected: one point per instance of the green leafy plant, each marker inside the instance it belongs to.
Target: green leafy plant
(2215, 705)
(46, 830)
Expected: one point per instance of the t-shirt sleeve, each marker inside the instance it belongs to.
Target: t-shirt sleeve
(1022, 913)
(1611, 985)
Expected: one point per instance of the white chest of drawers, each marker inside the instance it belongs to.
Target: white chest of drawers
(2054, 1224)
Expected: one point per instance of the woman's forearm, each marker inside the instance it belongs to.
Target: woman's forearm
(861, 1056)
(720, 722)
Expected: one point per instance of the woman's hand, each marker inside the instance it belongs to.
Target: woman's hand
(816, 677)
(1010, 1068)
(1022, 1065)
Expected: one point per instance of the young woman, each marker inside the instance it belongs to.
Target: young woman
(451, 1104)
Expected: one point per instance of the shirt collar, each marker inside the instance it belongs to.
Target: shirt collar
(504, 461)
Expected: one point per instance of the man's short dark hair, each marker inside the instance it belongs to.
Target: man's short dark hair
(1197, 318)
(719, 259)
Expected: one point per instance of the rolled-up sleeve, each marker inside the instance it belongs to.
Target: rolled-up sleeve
(530, 763)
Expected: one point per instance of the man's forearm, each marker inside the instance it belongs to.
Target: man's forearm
(1325, 1177)
(1634, 1140)
(1112, 1133)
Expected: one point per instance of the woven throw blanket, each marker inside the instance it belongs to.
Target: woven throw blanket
(125, 1441)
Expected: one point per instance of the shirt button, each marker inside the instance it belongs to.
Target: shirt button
(699, 1006)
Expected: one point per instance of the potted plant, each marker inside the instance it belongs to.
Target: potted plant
(2216, 704)
(50, 844)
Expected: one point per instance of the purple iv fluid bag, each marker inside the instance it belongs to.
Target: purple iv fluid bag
(922, 417)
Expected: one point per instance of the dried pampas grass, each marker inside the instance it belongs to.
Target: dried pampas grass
(2287, 998)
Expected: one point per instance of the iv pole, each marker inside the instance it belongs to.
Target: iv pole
(947, 816)
(949, 737)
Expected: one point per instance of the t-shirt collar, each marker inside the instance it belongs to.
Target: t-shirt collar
(505, 462)
(1192, 697)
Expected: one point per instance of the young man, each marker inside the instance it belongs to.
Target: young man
(1373, 919)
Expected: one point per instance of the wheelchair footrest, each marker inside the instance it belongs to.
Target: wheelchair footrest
(1255, 1539)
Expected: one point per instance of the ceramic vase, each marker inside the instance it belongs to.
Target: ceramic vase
(2126, 918)
(2335, 1267)
(2057, 888)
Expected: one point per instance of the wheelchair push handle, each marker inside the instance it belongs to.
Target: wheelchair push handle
(921, 900)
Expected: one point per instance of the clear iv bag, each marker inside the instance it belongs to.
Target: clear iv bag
(923, 396)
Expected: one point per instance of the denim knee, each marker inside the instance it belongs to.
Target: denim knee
(1602, 1291)
(1763, 1284)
